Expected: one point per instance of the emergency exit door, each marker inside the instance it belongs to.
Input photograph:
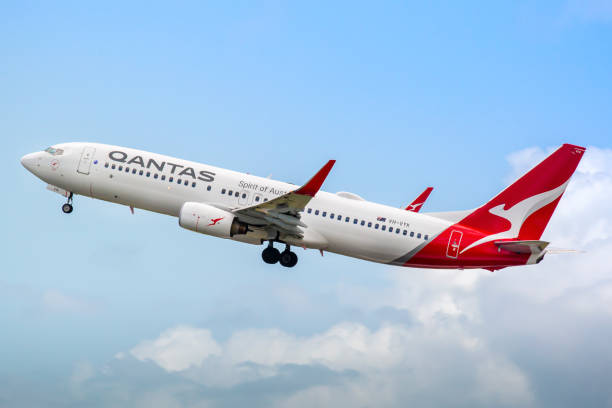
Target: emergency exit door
(86, 158)
(454, 242)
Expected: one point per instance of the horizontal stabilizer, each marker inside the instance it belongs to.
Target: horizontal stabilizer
(522, 247)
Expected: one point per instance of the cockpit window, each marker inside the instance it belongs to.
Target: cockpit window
(54, 151)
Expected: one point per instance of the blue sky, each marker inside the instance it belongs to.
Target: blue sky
(454, 95)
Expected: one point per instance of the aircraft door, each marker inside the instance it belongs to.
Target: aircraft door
(243, 198)
(86, 158)
(452, 250)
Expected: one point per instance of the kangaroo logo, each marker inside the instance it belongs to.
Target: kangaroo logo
(518, 213)
(413, 207)
(214, 221)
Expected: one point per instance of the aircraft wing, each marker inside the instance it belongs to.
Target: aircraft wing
(283, 213)
(416, 205)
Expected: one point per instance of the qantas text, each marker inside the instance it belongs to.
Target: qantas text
(123, 157)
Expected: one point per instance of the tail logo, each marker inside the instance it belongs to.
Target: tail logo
(414, 207)
(518, 213)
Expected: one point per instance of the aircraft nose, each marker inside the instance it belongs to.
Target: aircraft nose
(30, 161)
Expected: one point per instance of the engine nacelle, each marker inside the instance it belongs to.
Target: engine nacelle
(209, 220)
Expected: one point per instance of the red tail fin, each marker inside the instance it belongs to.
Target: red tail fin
(524, 208)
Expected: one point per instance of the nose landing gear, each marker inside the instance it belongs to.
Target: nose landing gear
(67, 207)
(287, 258)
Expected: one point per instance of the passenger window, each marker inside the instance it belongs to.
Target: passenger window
(106, 165)
(140, 173)
(133, 171)
(355, 220)
(316, 212)
(384, 227)
(376, 226)
(412, 233)
(236, 194)
(163, 177)
(362, 223)
(426, 237)
(397, 230)
(208, 188)
(324, 213)
(390, 229)
(155, 176)
(243, 195)
(187, 183)
(419, 235)
(257, 198)
(179, 181)
(347, 219)
(193, 184)
(230, 193)
(113, 167)
(222, 191)
(405, 232)
(309, 210)
(148, 173)
(127, 169)
(339, 217)
(120, 168)
(171, 179)
(265, 199)
(331, 216)
(369, 224)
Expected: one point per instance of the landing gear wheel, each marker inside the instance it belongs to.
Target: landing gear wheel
(288, 259)
(294, 259)
(270, 255)
(67, 208)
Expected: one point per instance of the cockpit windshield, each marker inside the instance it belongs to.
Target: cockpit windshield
(54, 151)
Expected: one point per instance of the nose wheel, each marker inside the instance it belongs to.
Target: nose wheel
(287, 258)
(67, 207)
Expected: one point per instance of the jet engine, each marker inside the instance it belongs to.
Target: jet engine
(206, 219)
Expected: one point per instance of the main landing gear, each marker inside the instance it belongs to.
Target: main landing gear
(287, 258)
(67, 207)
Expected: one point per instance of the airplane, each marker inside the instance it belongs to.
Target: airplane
(222, 203)
(417, 204)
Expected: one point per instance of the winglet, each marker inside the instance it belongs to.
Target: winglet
(314, 184)
(416, 205)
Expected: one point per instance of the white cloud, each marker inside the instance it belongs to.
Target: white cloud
(177, 349)
(501, 382)
(401, 359)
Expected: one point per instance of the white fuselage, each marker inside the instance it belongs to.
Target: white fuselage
(163, 184)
